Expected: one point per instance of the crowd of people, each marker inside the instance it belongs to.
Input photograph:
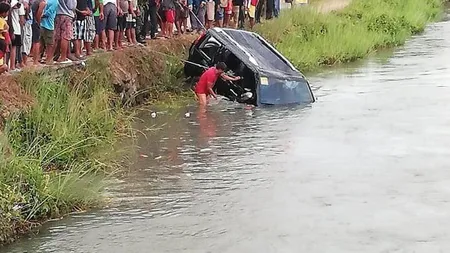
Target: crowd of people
(35, 32)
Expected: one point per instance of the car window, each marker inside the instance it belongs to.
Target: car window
(210, 47)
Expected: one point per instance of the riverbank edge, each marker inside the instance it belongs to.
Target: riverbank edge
(137, 75)
(315, 37)
(60, 126)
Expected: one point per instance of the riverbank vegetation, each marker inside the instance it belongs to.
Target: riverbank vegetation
(60, 126)
(57, 146)
(311, 39)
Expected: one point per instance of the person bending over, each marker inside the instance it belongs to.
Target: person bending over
(205, 85)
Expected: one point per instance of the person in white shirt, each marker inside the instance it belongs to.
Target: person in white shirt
(17, 21)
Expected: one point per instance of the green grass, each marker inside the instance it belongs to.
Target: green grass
(310, 39)
(52, 155)
(56, 154)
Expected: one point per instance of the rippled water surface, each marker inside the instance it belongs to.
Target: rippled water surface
(365, 169)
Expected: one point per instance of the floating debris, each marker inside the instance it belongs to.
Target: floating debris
(142, 155)
(153, 114)
(187, 115)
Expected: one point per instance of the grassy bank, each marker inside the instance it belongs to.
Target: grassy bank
(311, 39)
(56, 148)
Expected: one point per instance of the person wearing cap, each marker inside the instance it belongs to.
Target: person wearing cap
(205, 85)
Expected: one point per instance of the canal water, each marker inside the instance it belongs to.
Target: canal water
(365, 169)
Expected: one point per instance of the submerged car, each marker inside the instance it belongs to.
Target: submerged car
(268, 77)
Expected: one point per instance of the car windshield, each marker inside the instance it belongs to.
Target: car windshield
(264, 56)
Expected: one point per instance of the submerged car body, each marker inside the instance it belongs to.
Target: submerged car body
(269, 78)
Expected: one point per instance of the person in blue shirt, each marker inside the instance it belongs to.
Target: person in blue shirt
(45, 16)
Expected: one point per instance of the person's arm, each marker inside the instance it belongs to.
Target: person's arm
(210, 90)
(119, 10)
(22, 15)
(101, 10)
(40, 11)
(229, 78)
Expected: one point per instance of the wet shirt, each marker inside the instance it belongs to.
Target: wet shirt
(209, 76)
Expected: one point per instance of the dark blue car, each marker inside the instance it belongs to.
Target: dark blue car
(269, 78)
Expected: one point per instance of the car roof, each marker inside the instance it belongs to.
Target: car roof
(253, 50)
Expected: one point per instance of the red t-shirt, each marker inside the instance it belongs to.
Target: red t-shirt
(209, 76)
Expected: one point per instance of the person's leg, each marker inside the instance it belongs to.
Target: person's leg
(219, 16)
(96, 44)
(66, 37)
(12, 57)
(78, 34)
(209, 14)
(193, 16)
(241, 17)
(201, 16)
(153, 21)
(128, 33)
(133, 33)
(269, 9)
(276, 10)
(48, 42)
(236, 11)
(202, 100)
(110, 11)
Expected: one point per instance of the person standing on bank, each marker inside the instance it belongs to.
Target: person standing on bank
(205, 85)
(110, 11)
(64, 28)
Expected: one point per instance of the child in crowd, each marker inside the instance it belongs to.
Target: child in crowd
(131, 22)
(4, 35)
(17, 15)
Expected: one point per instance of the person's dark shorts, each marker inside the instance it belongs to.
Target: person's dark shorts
(35, 33)
(99, 25)
(121, 23)
(110, 12)
(17, 41)
(162, 15)
(131, 24)
(220, 13)
(46, 37)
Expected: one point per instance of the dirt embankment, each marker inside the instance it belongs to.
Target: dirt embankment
(131, 70)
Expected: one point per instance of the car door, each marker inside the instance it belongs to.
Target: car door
(205, 53)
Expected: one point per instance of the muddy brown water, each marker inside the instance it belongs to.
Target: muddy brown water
(365, 169)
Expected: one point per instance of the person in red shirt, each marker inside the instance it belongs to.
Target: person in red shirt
(204, 86)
